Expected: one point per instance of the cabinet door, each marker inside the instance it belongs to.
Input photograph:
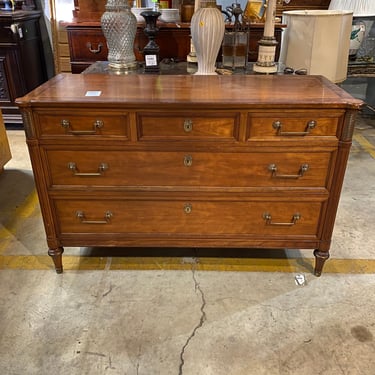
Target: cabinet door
(22, 65)
(12, 83)
(31, 55)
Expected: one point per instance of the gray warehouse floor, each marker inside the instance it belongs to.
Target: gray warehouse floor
(193, 314)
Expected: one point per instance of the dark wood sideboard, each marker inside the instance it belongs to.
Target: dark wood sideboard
(22, 63)
(87, 43)
(282, 6)
(240, 161)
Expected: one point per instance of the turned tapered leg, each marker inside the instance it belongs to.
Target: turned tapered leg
(56, 255)
(320, 258)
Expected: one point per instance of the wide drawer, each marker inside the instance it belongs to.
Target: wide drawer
(84, 123)
(188, 126)
(178, 169)
(293, 124)
(188, 217)
(87, 45)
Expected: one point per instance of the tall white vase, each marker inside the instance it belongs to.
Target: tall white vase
(207, 31)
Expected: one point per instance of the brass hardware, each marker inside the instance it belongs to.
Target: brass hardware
(73, 167)
(65, 123)
(188, 126)
(273, 168)
(98, 124)
(93, 50)
(107, 218)
(188, 208)
(278, 126)
(268, 218)
(188, 160)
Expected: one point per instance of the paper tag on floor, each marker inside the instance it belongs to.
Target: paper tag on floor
(300, 279)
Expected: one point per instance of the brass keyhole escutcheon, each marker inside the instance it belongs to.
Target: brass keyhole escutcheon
(188, 126)
(65, 123)
(188, 160)
(188, 208)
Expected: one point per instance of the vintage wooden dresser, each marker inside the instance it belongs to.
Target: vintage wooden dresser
(177, 161)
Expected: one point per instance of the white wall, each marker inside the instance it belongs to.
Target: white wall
(64, 9)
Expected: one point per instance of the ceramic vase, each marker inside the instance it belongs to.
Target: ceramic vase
(207, 31)
(119, 27)
(356, 38)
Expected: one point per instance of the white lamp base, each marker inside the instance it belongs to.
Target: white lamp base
(192, 58)
(264, 69)
(266, 56)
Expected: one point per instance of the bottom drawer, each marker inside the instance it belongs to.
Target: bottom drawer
(188, 217)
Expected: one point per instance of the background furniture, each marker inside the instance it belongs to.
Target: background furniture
(87, 10)
(189, 161)
(281, 6)
(87, 43)
(22, 66)
(5, 154)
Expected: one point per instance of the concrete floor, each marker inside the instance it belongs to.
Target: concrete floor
(192, 314)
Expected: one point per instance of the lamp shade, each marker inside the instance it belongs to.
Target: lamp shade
(318, 41)
(360, 8)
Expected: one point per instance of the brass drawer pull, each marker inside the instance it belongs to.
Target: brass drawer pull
(273, 168)
(73, 167)
(98, 124)
(107, 218)
(188, 160)
(278, 126)
(93, 50)
(188, 126)
(268, 218)
(188, 208)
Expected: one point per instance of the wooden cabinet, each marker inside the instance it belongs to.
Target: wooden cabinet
(301, 4)
(22, 65)
(89, 10)
(236, 161)
(87, 43)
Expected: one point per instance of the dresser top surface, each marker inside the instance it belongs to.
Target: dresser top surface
(190, 90)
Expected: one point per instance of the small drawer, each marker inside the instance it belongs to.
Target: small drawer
(292, 125)
(87, 44)
(88, 123)
(184, 169)
(188, 126)
(189, 217)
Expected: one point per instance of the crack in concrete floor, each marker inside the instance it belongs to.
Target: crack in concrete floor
(198, 326)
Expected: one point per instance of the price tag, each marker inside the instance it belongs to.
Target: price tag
(93, 93)
(151, 60)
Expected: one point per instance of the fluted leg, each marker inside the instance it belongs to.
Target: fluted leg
(56, 255)
(320, 258)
